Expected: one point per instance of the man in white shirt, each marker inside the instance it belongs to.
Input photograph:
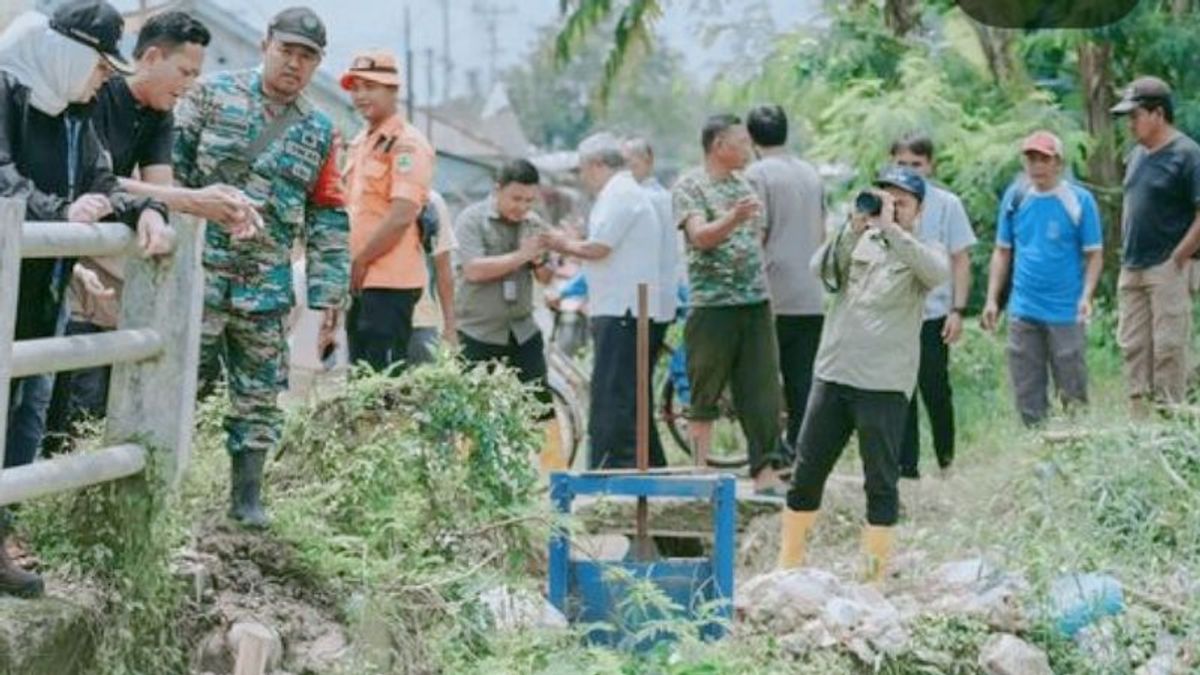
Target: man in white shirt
(639, 158)
(622, 250)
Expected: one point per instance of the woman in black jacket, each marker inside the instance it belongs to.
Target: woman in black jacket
(51, 157)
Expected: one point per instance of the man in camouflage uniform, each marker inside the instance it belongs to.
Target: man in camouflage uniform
(730, 333)
(254, 130)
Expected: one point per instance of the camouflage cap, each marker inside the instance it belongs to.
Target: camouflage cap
(298, 25)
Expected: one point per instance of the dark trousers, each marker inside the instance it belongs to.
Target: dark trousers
(798, 337)
(379, 325)
(834, 412)
(528, 358)
(736, 346)
(78, 395)
(1035, 347)
(612, 420)
(933, 385)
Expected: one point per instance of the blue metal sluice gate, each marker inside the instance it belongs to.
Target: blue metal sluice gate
(589, 591)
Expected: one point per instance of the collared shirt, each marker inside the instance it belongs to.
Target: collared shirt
(730, 274)
(624, 220)
(794, 201)
(427, 313)
(393, 161)
(296, 179)
(480, 309)
(943, 221)
(672, 266)
(871, 339)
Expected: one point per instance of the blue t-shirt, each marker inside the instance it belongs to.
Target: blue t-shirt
(1053, 230)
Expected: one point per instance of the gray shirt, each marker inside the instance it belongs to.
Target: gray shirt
(481, 309)
(1162, 195)
(794, 199)
(944, 221)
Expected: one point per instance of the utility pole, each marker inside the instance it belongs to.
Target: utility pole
(429, 93)
(490, 13)
(447, 60)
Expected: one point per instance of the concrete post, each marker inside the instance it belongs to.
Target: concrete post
(154, 401)
(12, 216)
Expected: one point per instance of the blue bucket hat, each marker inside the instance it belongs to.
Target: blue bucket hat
(904, 178)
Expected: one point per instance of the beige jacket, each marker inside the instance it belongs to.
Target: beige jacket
(872, 334)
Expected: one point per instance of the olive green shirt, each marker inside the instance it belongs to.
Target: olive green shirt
(481, 310)
(872, 334)
(732, 273)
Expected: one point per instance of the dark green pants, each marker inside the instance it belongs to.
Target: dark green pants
(736, 346)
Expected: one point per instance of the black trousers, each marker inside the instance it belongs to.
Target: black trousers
(834, 412)
(933, 385)
(528, 358)
(379, 325)
(612, 420)
(798, 337)
(78, 395)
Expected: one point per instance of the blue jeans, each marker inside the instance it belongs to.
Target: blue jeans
(29, 398)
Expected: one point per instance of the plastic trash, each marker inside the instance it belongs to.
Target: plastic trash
(1078, 600)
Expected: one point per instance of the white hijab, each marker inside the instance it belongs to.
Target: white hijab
(54, 67)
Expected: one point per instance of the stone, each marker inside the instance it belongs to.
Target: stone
(53, 635)
(963, 573)
(1005, 654)
(213, 654)
(240, 629)
(520, 610)
(787, 595)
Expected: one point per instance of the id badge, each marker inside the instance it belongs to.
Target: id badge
(509, 290)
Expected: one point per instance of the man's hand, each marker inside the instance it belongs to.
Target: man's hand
(990, 315)
(532, 247)
(327, 336)
(952, 330)
(92, 283)
(1083, 313)
(554, 241)
(154, 236)
(887, 215)
(89, 208)
(358, 274)
(744, 209)
(1181, 261)
(220, 203)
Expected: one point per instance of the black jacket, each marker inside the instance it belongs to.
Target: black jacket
(34, 167)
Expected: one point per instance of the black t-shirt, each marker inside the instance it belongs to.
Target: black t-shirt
(1162, 195)
(135, 135)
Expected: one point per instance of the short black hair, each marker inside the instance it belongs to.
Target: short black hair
(1150, 104)
(920, 145)
(714, 126)
(768, 126)
(169, 31)
(518, 171)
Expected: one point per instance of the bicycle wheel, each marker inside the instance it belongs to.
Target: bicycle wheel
(728, 443)
(570, 422)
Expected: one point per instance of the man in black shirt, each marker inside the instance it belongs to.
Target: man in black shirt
(1160, 231)
(132, 116)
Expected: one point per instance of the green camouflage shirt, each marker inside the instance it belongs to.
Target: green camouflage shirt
(296, 178)
(732, 273)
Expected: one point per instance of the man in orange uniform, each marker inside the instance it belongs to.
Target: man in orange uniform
(389, 175)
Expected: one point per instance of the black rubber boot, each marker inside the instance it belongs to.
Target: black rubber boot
(13, 579)
(245, 489)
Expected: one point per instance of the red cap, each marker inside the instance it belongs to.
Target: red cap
(1043, 143)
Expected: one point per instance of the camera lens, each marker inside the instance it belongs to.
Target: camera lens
(868, 203)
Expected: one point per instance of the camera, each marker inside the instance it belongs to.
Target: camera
(868, 203)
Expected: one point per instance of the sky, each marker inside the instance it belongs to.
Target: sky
(354, 24)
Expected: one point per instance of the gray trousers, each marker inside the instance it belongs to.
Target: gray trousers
(1037, 350)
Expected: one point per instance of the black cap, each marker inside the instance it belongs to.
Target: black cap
(1141, 90)
(904, 178)
(96, 24)
(298, 25)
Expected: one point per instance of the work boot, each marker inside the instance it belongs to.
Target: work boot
(551, 457)
(793, 544)
(13, 579)
(245, 489)
(877, 547)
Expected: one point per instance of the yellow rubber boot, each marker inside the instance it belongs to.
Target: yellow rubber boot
(877, 546)
(551, 458)
(793, 540)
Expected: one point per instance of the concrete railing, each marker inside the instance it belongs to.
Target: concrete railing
(153, 352)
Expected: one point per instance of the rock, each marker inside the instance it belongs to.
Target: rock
(1005, 654)
(963, 573)
(320, 655)
(787, 597)
(213, 655)
(974, 589)
(520, 610)
(240, 630)
(53, 635)
(1100, 642)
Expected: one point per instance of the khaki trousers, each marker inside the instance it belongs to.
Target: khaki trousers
(1154, 330)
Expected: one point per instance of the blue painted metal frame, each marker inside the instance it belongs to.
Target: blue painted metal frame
(584, 580)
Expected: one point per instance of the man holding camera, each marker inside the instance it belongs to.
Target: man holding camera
(730, 333)
(879, 273)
